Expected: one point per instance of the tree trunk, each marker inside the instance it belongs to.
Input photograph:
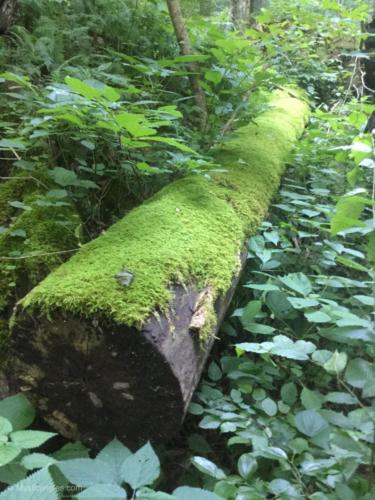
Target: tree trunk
(7, 14)
(256, 6)
(186, 50)
(240, 13)
(115, 340)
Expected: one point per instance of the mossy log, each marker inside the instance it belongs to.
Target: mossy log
(114, 341)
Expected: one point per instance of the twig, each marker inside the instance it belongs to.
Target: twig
(22, 257)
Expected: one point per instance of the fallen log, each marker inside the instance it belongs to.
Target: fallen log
(114, 341)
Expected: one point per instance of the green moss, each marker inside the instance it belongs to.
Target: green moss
(28, 247)
(16, 188)
(192, 230)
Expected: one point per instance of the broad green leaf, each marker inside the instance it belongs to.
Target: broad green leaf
(348, 212)
(213, 76)
(310, 423)
(18, 410)
(37, 461)
(269, 407)
(273, 453)
(249, 312)
(137, 125)
(289, 393)
(298, 282)
(114, 455)
(311, 400)
(259, 329)
(148, 494)
(5, 426)
(189, 493)
(341, 398)
(299, 303)
(142, 468)
(214, 372)
(102, 492)
(208, 467)
(173, 142)
(279, 304)
(30, 439)
(64, 177)
(247, 465)
(85, 472)
(283, 489)
(12, 144)
(317, 317)
(337, 363)
(359, 372)
(39, 486)
(8, 452)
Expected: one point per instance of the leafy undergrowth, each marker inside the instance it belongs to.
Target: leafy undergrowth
(287, 409)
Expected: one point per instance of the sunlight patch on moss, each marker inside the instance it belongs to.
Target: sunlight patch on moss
(191, 231)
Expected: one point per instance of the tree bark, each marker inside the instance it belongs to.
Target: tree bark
(240, 13)
(186, 50)
(7, 14)
(100, 359)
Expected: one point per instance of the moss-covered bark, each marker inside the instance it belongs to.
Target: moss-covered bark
(191, 231)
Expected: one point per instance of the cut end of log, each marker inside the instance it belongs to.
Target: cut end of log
(91, 378)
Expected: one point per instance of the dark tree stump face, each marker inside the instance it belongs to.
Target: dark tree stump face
(92, 380)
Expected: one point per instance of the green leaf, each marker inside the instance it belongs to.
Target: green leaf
(85, 472)
(299, 303)
(39, 486)
(279, 304)
(91, 89)
(208, 467)
(174, 143)
(269, 407)
(247, 465)
(19, 204)
(311, 400)
(64, 177)
(148, 494)
(213, 76)
(103, 491)
(8, 452)
(259, 329)
(214, 372)
(283, 489)
(5, 426)
(310, 423)
(337, 363)
(12, 144)
(136, 124)
(341, 398)
(359, 372)
(114, 455)
(298, 282)
(30, 439)
(142, 468)
(18, 410)
(249, 313)
(289, 393)
(348, 212)
(272, 453)
(317, 317)
(37, 461)
(188, 493)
